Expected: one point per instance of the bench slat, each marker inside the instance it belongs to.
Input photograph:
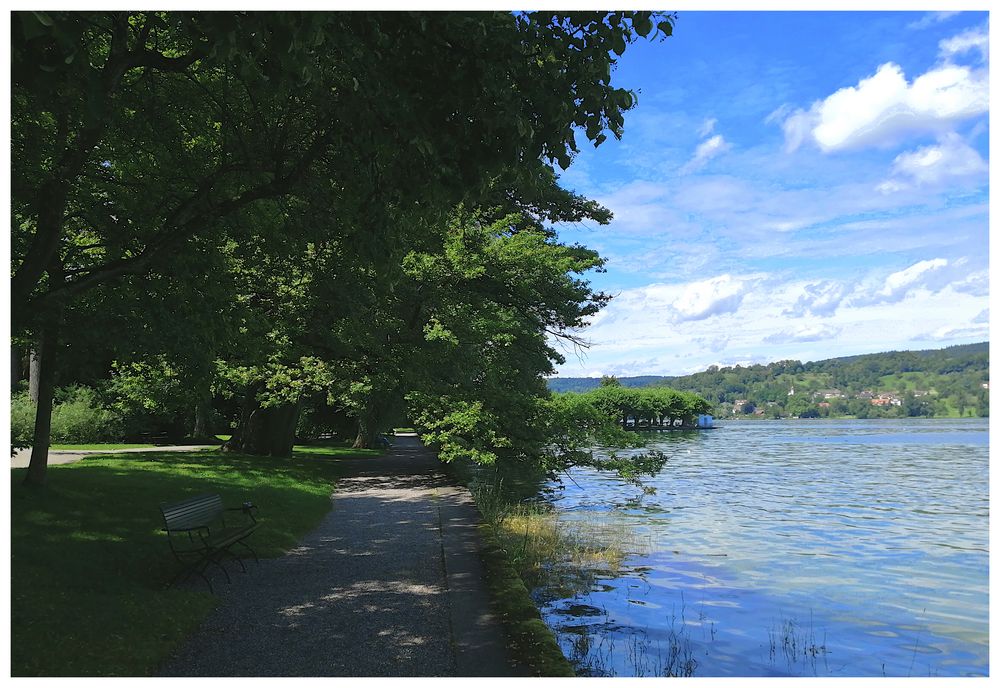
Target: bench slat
(198, 510)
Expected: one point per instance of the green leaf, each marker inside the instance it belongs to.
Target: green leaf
(618, 44)
(43, 19)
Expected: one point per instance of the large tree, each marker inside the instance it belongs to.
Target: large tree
(136, 136)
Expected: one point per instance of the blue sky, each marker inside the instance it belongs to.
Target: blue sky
(792, 185)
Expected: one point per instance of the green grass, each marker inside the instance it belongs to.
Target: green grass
(101, 446)
(335, 449)
(89, 564)
(530, 641)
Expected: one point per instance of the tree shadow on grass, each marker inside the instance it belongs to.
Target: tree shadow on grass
(90, 562)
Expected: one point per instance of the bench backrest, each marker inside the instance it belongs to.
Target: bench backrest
(194, 511)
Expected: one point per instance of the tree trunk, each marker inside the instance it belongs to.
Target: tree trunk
(15, 367)
(367, 435)
(265, 431)
(33, 375)
(369, 425)
(202, 418)
(45, 376)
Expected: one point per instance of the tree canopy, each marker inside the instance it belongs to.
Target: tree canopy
(340, 212)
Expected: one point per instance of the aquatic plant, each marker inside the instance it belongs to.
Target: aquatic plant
(797, 645)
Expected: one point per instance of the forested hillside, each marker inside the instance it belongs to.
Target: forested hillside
(951, 382)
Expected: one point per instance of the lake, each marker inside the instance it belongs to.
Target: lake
(789, 548)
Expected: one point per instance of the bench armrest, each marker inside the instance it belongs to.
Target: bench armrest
(248, 508)
(185, 529)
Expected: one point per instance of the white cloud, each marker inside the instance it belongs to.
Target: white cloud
(805, 333)
(707, 298)
(932, 275)
(976, 283)
(884, 107)
(778, 114)
(705, 151)
(646, 336)
(949, 333)
(931, 19)
(951, 159)
(899, 283)
(707, 127)
(713, 344)
(973, 39)
(819, 298)
(983, 317)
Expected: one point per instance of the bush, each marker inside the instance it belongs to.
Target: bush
(22, 419)
(150, 397)
(77, 417)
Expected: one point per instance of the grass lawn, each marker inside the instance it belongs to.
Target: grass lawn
(90, 564)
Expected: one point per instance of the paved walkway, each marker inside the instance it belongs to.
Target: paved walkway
(389, 584)
(56, 456)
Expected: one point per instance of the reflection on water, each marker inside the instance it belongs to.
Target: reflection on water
(809, 548)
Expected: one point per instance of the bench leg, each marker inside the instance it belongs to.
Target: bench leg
(212, 558)
(237, 558)
(251, 550)
(186, 572)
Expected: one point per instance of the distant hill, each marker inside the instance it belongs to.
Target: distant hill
(934, 382)
(585, 384)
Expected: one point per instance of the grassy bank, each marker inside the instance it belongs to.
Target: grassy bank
(530, 641)
(528, 548)
(89, 563)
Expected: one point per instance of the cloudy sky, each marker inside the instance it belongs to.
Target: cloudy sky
(792, 185)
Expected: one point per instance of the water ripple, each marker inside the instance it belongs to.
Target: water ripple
(795, 542)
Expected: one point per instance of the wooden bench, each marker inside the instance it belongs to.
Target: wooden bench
(199, 535)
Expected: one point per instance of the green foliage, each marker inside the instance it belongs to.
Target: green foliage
(77, 417)
(529, 639)
(237, 178)
(579, 422)
(149, 396)
(22, 419)
(89, 564)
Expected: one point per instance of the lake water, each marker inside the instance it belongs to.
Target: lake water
(799, 548)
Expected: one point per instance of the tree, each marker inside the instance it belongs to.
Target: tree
(137, 136)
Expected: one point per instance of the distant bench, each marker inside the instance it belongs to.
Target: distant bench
(199, 535)
(151, 438)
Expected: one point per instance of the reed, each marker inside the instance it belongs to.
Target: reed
(540, 543)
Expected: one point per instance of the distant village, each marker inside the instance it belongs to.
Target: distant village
(823, 399)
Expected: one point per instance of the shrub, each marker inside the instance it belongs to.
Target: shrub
(150, 396)
(22, 419)
(77, 417)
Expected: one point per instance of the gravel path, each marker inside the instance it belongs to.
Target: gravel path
(57, 456)
(389, 584)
